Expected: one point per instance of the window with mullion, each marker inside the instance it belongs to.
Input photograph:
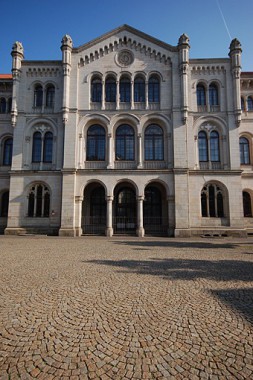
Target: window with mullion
(213, 95)
(38, 96)
(203, 146)
(244, 151)
(110, 90)
(139, 90)
(7, 156)
(153, 90)
(48, 147)
(154, 146)
(125, 90)
(125, 143)
(37, 147)
(201, 95)
(96, 90)
(214, 147)
(96, 143)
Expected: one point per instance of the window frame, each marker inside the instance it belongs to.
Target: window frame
(125, 143)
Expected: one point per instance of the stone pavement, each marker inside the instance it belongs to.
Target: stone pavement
(126, 308)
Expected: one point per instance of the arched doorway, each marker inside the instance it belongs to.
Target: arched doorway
(124, 221)
(94, 210)
(155, 210)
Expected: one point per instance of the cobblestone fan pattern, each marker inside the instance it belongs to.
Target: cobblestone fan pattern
(125, 308)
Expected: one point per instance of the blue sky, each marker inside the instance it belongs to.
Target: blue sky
(40, 25)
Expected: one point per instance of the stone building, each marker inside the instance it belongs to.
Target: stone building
(126, 135)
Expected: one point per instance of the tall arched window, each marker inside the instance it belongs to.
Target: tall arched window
(212, 201)
(110, 90)
(39, 201)
(95, 143)
(154, 89)
(7, 151)
(50, 95)
(4, 203)
(250, 103)
(125, 90)
(139, 89)
(244, 151)
(38, 96)
(48, 147)
(213, 95)
(96, 90)
(203, 146)
(37, 147)
(247, 210)
(2, 105)
(214, 146)
(125, 143)
(201, 95)
(154, 143)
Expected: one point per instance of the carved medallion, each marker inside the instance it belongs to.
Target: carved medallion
(125, 58)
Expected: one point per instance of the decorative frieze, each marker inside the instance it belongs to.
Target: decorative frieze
(43, 72)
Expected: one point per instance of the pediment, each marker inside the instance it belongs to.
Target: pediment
(128, 38)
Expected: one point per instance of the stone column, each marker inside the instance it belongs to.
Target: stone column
(183, 45)
(110, 152)
(140, 158)
(109, 228)
(140, 229)
(146, 95)
(171, 215)
(66, 48)
(78, 215)
(103, 95)
(235, 58)
(117, 95)
(132, 95)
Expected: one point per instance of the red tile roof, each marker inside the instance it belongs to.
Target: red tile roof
(5, 76)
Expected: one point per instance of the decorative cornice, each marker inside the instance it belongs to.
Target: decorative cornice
(43, 71)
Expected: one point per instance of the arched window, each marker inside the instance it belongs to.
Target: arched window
(242, 104)
(139, 89)
(213, 95)
(39, 201)
(125, 90)
(212, 201)
(37, 147)
(4, 203)
(7, 151)
(2, 105)
(48, 147)
(38, 96)
(50, 95)
(214, 146)
(125, 143)
(96, 90)
(201, 95)
(95, 143)
(247, 210)
(154, 89)
(154, 143)
(203, 146)
(244, 151)
(250, 103)
(110, 90)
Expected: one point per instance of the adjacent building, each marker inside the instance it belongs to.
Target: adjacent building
(126, 135)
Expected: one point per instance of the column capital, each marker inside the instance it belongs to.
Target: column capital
(140, 198)
(109, 198)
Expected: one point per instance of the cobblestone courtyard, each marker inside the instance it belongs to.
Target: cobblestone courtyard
(126, 308)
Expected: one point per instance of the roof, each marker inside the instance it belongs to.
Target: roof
(5, 76)
(125, 28)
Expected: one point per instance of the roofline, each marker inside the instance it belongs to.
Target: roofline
(210, 60)
(127, 28)
(41, 62)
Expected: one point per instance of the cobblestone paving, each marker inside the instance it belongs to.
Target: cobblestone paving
(126, 308)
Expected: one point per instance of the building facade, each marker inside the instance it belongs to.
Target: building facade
(126, 135)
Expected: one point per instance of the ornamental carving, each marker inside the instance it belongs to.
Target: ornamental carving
(125, 58)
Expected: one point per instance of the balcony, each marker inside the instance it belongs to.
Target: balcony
(95, 165)
(151, 165)
(210, 165)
